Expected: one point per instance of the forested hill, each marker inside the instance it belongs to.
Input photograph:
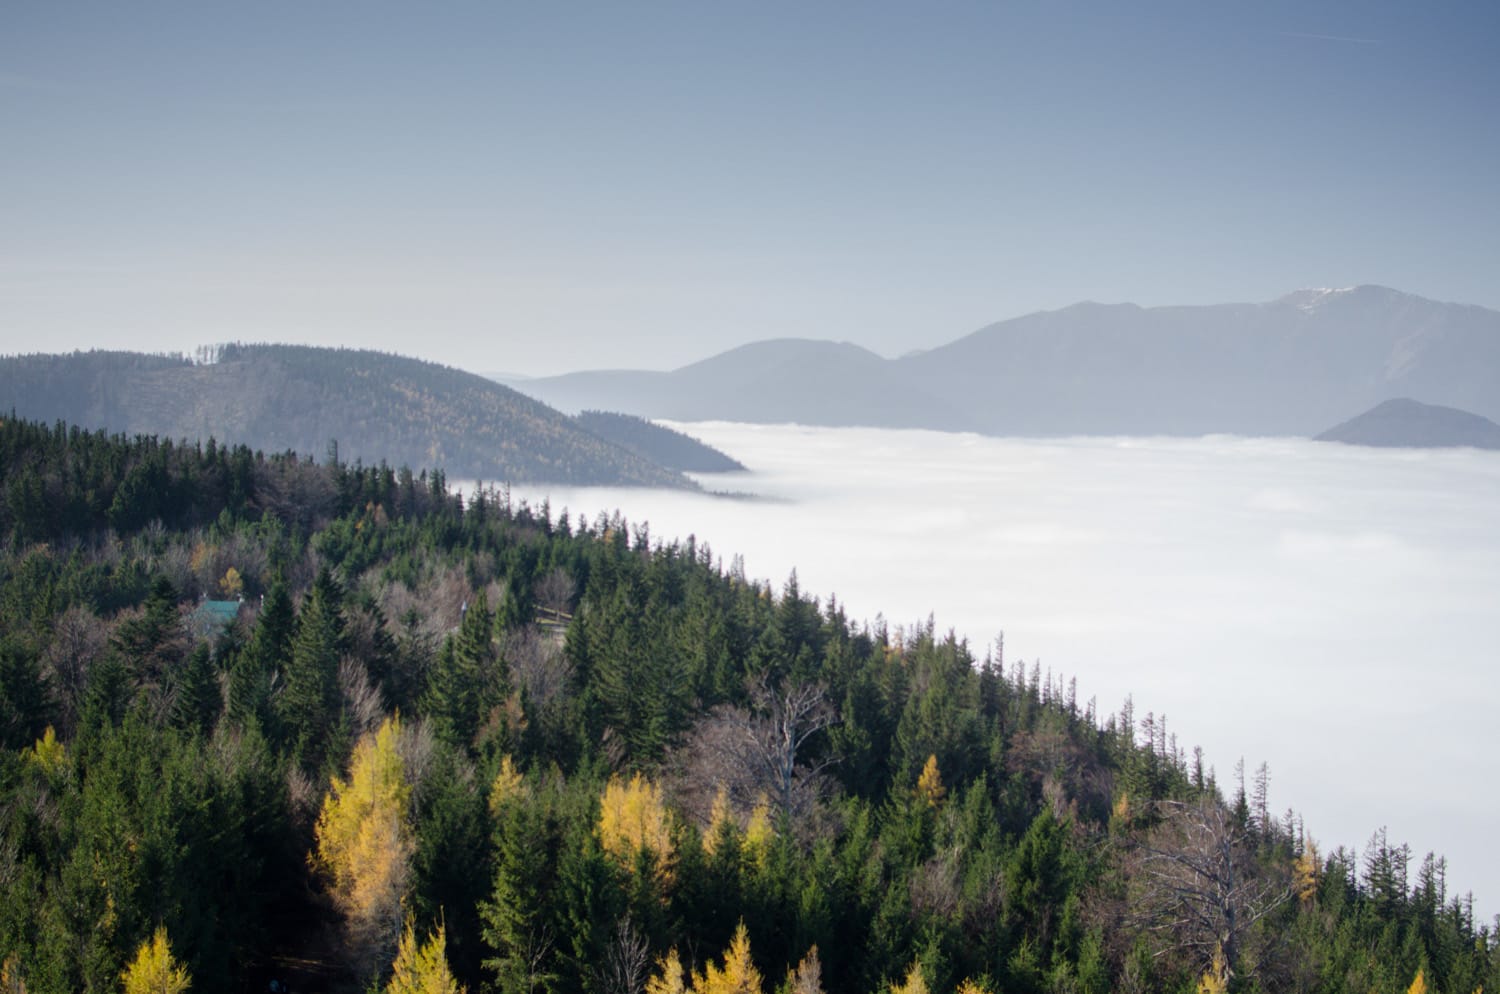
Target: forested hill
(417, 742)
(1407, 423)
(377, 407)
(658, 443)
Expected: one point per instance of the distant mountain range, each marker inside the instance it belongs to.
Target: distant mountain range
(1288, 367)
(1405, 423)
(377, 407)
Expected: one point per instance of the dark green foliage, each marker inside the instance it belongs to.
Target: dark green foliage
(308, 706)
(167, 800)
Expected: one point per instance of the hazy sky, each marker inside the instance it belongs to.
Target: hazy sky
(547, 186)
(1326, 609)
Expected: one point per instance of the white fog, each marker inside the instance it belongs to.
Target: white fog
(1329, 610)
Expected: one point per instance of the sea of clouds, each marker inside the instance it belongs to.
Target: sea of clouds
(1332, 611)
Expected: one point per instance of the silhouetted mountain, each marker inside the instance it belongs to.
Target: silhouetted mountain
(662, 445)
(1290, 366)
(1406, 423)
(282, 397)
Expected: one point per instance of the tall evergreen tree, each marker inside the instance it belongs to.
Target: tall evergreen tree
(308, 707)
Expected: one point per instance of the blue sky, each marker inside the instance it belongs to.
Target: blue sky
(543, 187)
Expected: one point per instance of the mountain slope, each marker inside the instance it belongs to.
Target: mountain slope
(1406, 423)
(1288, 366)
(660, 444)
(280, 397)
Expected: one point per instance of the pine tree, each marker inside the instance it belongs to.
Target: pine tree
(269, 652)
(455, 687)
(308, 706)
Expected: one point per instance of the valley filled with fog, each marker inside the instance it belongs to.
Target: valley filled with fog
(1326, 609)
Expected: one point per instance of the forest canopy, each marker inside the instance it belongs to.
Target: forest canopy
(329, 725)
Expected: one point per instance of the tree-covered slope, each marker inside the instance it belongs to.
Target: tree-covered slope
(377, 407)
(658, 443)
(441, 740)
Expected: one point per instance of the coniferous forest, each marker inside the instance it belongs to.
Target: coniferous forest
(332, 728)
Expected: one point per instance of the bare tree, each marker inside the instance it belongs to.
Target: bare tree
(554, 594)
(1197, 885)
(788, 716)
(761, 750)
(540, 667)
(627, 960)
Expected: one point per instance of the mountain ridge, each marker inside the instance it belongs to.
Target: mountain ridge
(1289, 366)
(375, 406)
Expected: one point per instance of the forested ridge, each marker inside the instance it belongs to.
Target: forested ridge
(374, 406)
(435, 742)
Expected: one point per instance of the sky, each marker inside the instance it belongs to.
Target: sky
(1328, 610)
(533, 188)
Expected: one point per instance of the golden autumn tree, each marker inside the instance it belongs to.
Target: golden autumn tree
(971, 987)
(1306, 872)
(1418, 984)
(422, 969)
(154, 971)
(720, 821)
(738, 975)
(930, 787)
(507, 785)
(670, 979)
(231, 583)
(634, 819)
(364, 846)
(11, 979)
(914, 983)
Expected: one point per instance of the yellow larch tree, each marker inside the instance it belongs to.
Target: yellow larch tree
(738, 975)
(231, 583)
(633, 817)
(154, 971)
(914, 983)
(1418, 984)
(759, 833)
(971, 987)
(364, 846)
(12, 981)
(1306, 872)
(930, 787)
(720, 817)
(670, 979)
(48, 753)
(422, 969)
(507, 785)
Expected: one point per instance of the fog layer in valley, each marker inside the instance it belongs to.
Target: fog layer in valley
(1330, 610)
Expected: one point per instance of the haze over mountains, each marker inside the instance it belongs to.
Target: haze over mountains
(378, 407)
(1291, 366)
